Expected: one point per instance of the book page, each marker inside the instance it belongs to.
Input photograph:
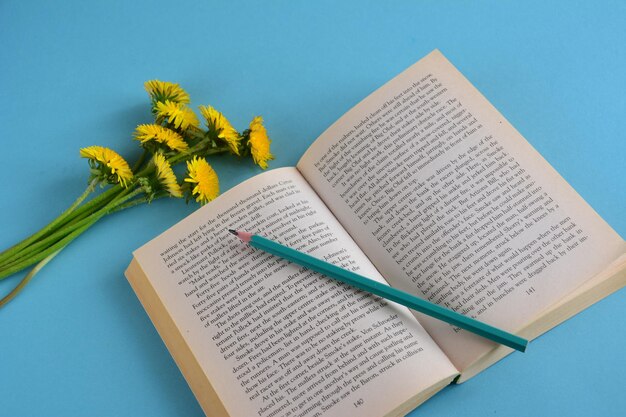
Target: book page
(276, 339)
(452, 204)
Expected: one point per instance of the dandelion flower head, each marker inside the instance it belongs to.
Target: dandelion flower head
(165, 90)
(218, 123)
(259, 143)
(174, 141)
(177, 114)
(110, 161)
(166, 176)
(204, 179)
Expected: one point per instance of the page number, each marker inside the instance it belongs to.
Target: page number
(359, 402)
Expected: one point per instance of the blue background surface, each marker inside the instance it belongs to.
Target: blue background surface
(77, 341)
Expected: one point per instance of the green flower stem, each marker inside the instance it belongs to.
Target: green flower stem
(122, 197)
(19, 287)
(98, 202)
(196, 150)
(27, 279)
(140, 160)
(93, 205)
(79, 223)
(51, 226)
(79, 213)
(196, 135)
(219, 149)
(136, 202)
(184, 156)
(47, 241)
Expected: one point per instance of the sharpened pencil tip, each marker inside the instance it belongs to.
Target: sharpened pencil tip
(234, 232)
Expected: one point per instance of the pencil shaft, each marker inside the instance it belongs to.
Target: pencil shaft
(390, 293)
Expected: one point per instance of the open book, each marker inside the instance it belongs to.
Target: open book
(423, 185)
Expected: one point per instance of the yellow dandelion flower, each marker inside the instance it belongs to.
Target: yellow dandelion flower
(259, 143)
(164, 90)
(177, 114)
(110, 161)
(205, 179)
(166, 176)
(174, 141)
(217, 122)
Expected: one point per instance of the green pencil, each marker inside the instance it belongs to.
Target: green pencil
(384, 291)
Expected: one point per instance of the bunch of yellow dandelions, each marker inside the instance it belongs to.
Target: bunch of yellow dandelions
(175, 137)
